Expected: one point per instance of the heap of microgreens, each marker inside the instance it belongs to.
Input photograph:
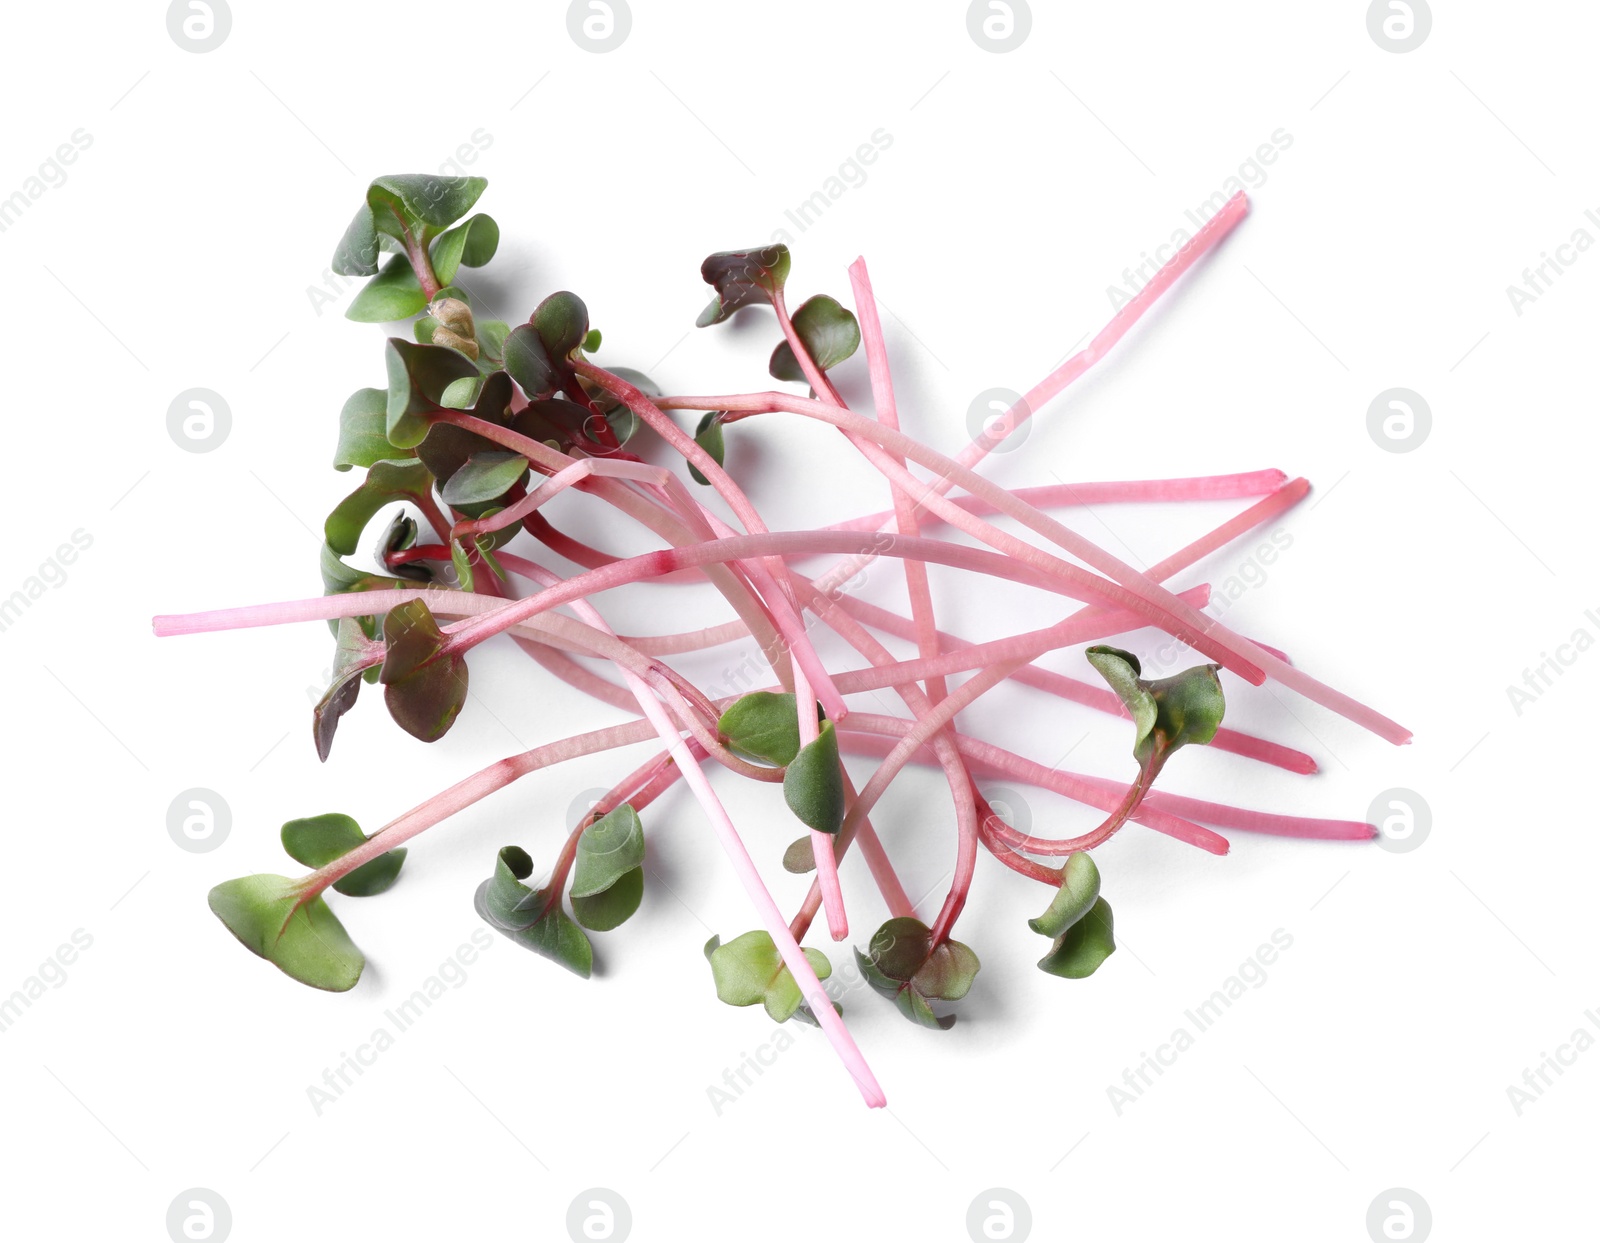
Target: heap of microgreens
(480, 424)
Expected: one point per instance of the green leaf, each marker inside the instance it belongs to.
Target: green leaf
(1168, 713)
(446, 447)
(750, 970)
(742, 278)
(813, 783)
(485, 477)
(1079, 951)
(1080, 887)
(354, 654)
(1121, 670)
(1189, 706)
(363, 435)
(317, 841)
(390, 295)
(529, 363)
(424, 686)
(624, 422)
(433, 201)
(763, 724)
(400, 536)
(562, 321)
(607, 850)
(462, 563)
(829, 333)
(418, 378)
(591, 342)
(528, 917)
(492, 335)
(901, 964)
(708, 435)
(461, 394)
(386, 482)
(304, 940)
(611, 907)
(799, 857)
(357, 252)
(471, 244)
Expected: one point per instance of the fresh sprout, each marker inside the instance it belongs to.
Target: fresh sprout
(480, 424)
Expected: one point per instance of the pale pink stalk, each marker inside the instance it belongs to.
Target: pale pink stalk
(1212, 232)
(883, 403)
(1231, 650)
(995, 761)
(799, 966)
(1126, 587)
(949, 759)
(787, 622)
(502, 615)
(1059, 495)
(470, 790)
(647, 513)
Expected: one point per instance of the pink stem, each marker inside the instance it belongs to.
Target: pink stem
(1055, 495)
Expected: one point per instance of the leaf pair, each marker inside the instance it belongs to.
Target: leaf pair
(418, 207)
(742, 278)
(829, 333)
(764, 725)
(608, 874)
(1079, 920)
(317, 841)
(902, 964)
(1168, 713)
(533, 918)
(607, 886)
(750, 970)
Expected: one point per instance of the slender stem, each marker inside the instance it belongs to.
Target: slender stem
(421, 262)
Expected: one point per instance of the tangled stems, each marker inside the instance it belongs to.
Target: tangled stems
(484, 426)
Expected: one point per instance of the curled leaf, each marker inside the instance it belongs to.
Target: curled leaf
(1082, 947)
(607, 850)
(354, 654)
(742, 278)
(1080, 887)
(532, 918)
(386, 482)
(1168, 713)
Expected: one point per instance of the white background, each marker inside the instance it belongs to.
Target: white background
(180, 252)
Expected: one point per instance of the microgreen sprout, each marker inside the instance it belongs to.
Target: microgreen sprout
(479, 424)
